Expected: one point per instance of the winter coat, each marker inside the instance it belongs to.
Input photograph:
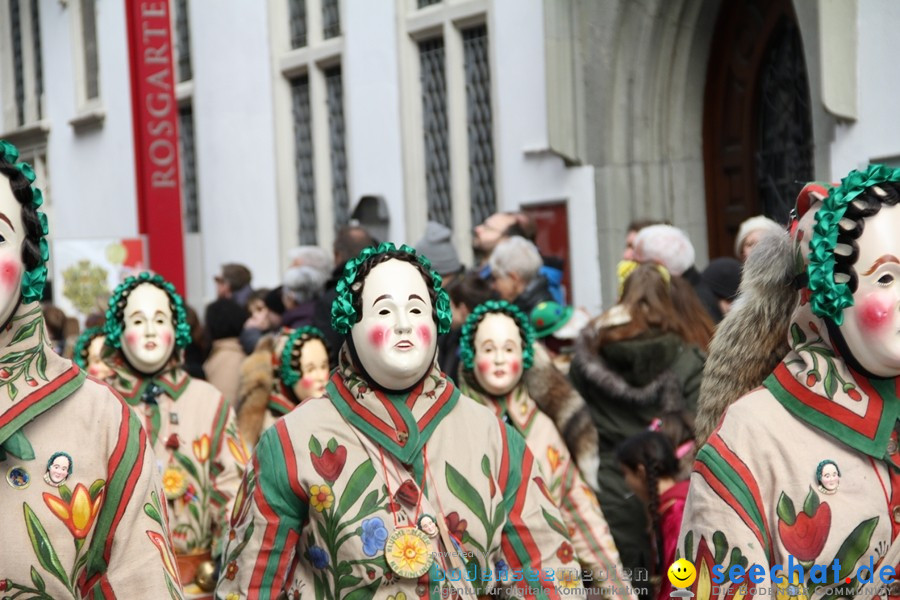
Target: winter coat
(222, 368)
(628, 385)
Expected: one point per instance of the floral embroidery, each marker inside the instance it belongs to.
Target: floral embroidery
(553, 457)
(374, 535)
(397, 596)
(79, 512)
(804, 534)
(201, 448)
(321, 497)
(154, 510)
(565, 553)
(456, 525)
(329, 462)
(231, 570)
(410, 553)
(318, 557)
(818, 350)
(174, 482)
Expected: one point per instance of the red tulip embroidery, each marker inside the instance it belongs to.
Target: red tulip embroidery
(804, 534)
(330, 462)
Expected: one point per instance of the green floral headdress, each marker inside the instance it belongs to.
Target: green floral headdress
(828, 298)
(34, 279)
(81, 346)
(115, 324)
(467, 338)
(290, 375)
(344, 314)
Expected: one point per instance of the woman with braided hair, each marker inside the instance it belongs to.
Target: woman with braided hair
(497, 349)
(805, 467)
(189, 423)
(334, 502)
(88, 353)
(650, 467)
(283, 372)
(81, 494)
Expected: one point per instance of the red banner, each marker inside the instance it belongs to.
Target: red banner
(155, 113)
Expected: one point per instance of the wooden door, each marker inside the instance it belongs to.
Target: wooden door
(757, 132)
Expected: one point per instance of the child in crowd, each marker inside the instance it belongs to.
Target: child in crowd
(650, 466)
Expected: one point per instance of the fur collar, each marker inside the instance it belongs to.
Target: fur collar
(257, 378)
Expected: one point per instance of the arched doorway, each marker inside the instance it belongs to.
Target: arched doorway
(757, 126)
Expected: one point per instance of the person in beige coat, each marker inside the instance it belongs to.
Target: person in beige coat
(224, 321)
(190, 425)
(81, 501)
(803, 471)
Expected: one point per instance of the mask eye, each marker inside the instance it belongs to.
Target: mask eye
(885, 280)
(383, 312)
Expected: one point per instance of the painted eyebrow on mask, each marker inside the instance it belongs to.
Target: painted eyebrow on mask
(416, 297)
(6, 220)
(887, 258)
(382, 297)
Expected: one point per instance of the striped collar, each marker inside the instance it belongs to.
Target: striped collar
(518, 407)
(400, 423)
(132, 384)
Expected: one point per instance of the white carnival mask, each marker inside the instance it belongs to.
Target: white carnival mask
(871, 326)
(396, 337)
(314, 371)
(12, 234)
(148, 337)
(498, 354)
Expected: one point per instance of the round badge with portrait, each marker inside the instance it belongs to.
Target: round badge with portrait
(408, 552)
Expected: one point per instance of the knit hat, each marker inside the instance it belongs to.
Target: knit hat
(438, 248)
(749, 226)
(548, 317)
(723, 276)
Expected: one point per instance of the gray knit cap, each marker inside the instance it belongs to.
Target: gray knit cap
(437, 246)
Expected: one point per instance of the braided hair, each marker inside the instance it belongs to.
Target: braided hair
(655, 453)
(29, 199)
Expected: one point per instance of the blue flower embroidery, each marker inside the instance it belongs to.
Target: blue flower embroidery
(374, 535)
(318, 557)
(502, 570)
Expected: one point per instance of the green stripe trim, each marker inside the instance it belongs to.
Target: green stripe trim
(875, 447)
(219, 426)
(725, 473)
(41, 406)
(115, 497)
(274, 483)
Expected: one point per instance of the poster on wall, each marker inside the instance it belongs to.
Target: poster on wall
(85, 272)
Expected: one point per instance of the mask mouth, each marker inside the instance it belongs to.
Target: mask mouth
(404, 345)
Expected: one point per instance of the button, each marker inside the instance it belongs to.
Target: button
(402, 436)
(895, 512)
(894, 589)
(892, 447)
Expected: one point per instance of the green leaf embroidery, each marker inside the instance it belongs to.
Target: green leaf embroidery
(24, 333)
(65, 493)
(347, 581)
(195, 512)
(555, 523)
(12, 357)
(40, 541)
(689, 545)
(332, 445)
(463, 490)
(151, 512)
(797, 335)
(37, 580)
(364, 593)
(486, 466)
(785, 509)
(356, 485)
(13, 391)
(42, 366)
(187, 463)
(855, 546)
(240, 547)
(830, 384)
(95, 488)
(314, 446)
(720, 546)
(811, 504)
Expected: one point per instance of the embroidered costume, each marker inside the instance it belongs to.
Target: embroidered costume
(101, 532)
(806, 469)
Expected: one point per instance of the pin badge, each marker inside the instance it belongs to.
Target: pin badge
(18, 478)
(59, 467)
(828, 476)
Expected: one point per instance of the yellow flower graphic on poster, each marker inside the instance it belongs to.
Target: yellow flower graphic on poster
(85, 285)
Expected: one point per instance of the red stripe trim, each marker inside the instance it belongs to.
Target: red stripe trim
(27, 402)
(436, 408)
(361, 410)
(268, 541)
(290, 459)
(416, 392)
(222, 407)
(726, 495)
(399, 423)
(747, 477)
(504, 458)
(866, 424)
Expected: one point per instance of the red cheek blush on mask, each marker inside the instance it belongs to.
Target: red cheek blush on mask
(424, 334)
(484, 365)
(9, 273)
(133, 338)
(874, 313)
(376, 337)
(515, 366)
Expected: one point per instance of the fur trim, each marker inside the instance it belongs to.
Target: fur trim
(556, 397)
(257, 378)
(666, 388)
(753, 337)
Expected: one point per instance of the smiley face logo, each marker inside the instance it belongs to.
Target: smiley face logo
(682, 573)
